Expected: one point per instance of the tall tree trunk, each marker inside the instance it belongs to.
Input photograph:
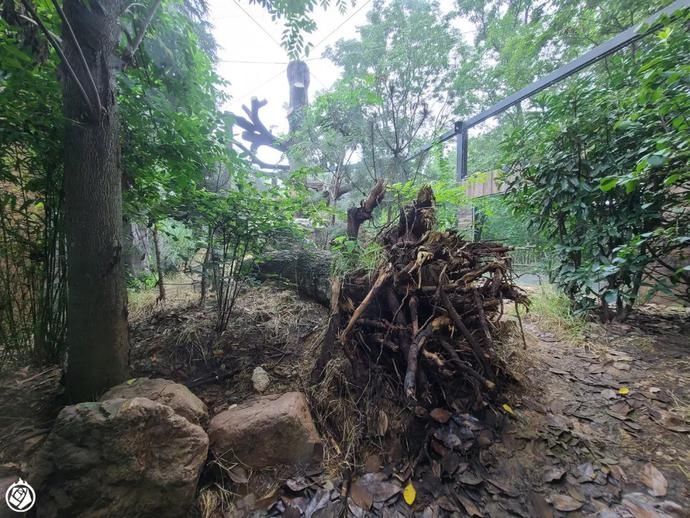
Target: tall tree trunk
(159, 264)
(97, 304)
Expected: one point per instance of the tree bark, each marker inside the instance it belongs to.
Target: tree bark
(204, 269)
(97, 306)
(298, 79)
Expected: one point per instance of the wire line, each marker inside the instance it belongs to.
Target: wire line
(341, 25)
(258, 24)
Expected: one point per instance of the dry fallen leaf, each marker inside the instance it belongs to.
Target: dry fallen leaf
(379, 488)
(553, 474)
(470, 479)
(297, 484)
(440, 415)
(507, 408)
(372, 464)
(361, 496)
(382, 426)
(609, 394)
(469, 506)
(540, 509)
(654, 480)
(238, 475)
(565, 503)
(409, 494)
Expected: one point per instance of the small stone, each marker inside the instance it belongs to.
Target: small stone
(260, 379)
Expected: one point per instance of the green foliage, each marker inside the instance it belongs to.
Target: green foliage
(516, 42)
(32, 247)
(297, 15)
(351, 255)
(606, 174)
(402, 61)
(501, 223)
(178, 169)
(179, 244)
(241, 221)
(145, 281)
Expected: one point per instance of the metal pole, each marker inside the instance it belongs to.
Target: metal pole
(461, 159)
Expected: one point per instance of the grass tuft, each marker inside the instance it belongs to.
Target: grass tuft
(552, 311)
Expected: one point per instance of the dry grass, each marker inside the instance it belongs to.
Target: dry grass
(279, 315)
(552, 312)
(334, 406)
(510, 348)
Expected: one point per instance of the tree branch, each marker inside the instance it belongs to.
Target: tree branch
(87, 70)
(35, 18)
(255, 160)
(255, 131)
(358, 215)
(132, 49)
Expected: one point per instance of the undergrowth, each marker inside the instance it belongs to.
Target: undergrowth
(552, 311)
(144, 302)
(350, 255)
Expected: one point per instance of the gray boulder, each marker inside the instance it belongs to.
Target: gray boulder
(121, 457)
(163, 391)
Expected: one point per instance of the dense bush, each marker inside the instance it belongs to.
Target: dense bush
(607, 174)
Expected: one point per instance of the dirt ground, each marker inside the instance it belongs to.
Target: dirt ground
(600, 427)
(604, 427)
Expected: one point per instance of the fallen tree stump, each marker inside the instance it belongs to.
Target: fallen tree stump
(428, 313)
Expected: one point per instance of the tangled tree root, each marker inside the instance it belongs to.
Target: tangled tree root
(424, 322)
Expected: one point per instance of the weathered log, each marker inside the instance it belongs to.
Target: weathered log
(308, 270)
(358, 215)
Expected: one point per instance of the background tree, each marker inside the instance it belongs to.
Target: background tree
(404, 57)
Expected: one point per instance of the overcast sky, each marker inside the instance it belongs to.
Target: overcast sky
(255, 63)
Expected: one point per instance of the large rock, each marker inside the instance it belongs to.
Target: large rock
(121, 457)
(267, 431)
(166, 392)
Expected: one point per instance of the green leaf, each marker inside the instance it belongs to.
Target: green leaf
(608, 183)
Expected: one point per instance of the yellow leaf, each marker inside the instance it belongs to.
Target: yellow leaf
(129, 382)
(507, 408)
(623, 391)
(409, 494)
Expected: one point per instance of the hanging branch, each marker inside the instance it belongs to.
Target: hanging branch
(132, 49)
(256, 131)
(64, 19)
(35, 19)
(256, 160)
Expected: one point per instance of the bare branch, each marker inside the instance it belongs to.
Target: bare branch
(255, 160)
(255, 131)
(35, 18)
(132, 49)
(87, 70)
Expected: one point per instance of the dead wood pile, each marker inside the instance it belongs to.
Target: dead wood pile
(428, 314)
